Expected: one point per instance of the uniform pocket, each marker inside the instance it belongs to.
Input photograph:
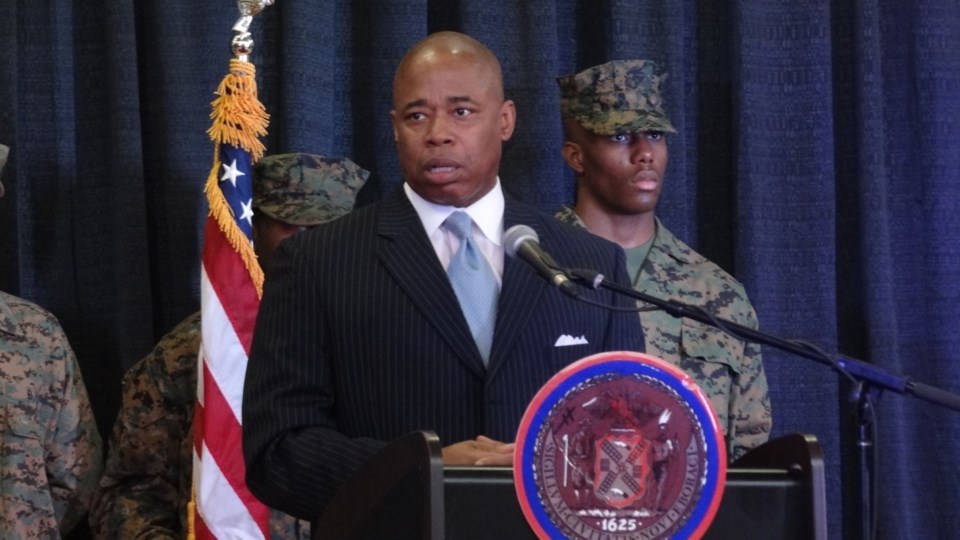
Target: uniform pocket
(711, 346)
(714, 359)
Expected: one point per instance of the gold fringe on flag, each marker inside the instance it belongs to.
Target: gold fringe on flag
(238, 119)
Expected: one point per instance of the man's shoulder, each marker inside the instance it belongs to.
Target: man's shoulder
(20, 305)
(170, 369)
(674, 269)
(567, 215)
(681, 254)
(181, 344)
(568, 231)
(21, 314)
(38, 348)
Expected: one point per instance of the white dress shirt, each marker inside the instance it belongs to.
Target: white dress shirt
(487, 216)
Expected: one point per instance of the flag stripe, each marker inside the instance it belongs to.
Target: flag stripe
(201, 529)
(222, 442)
(231, 284)
(226, 507)
(222, 341)
(229, 515)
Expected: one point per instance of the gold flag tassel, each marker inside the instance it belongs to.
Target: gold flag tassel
(238, 116)
(238, 119)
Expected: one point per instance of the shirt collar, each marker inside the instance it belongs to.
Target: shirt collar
(487, 212)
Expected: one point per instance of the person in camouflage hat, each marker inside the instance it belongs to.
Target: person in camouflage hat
(148, 477)
(292, 192)
(614, 125)
(50, 449)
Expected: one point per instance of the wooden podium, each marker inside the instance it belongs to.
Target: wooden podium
(404, 492)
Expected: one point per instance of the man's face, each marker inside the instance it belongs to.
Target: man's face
(620, 174)
(267, 235)
(449, 122)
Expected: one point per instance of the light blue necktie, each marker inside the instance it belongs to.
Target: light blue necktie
(474, 282)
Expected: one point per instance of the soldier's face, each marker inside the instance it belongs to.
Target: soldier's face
(622, 174)
(267, 235)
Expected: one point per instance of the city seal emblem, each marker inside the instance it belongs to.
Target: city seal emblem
(620, 446)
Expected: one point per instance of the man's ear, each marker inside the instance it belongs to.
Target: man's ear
(573, 155)
(508, 119)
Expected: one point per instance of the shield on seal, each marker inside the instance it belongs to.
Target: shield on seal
(621, 468)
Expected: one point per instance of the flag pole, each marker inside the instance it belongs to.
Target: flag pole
(237, 119)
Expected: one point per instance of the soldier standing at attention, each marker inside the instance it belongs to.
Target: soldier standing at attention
(148, 477)
(50, 449)
(615, 126)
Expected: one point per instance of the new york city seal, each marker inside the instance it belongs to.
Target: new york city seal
(620, 446)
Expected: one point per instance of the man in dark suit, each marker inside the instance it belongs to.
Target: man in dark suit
(361, 337)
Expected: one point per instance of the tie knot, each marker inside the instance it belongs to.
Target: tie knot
(459, 223)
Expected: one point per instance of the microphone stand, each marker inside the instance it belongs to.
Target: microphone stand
(867, 379)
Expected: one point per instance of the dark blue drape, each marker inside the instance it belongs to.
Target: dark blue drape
(817, 160)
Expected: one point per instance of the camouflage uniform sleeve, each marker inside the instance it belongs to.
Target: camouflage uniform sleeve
(145, 485)
(74, 456)
(51, 449)
(749, 395)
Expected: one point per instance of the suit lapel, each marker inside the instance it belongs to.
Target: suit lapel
(409, 257)
(519, 294)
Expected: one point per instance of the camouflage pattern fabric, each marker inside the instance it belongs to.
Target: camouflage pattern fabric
(729, 370)
(148, 476)
(622, 96)
(50, 449)
(306, 189)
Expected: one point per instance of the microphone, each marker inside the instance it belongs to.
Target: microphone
(522, 241)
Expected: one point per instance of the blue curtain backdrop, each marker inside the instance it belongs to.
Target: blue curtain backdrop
(817, 160)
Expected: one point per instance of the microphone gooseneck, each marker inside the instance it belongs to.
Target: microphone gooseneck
(521, 241)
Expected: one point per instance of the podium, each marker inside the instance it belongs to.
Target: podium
(404, 492)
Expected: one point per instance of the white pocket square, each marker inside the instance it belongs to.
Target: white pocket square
(567, 340)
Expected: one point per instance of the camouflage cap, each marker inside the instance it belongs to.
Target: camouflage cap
(622, 96)
(306, 189)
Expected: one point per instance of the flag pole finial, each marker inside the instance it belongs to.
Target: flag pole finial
(242, 43)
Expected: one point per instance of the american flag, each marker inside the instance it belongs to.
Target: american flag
(230, 287)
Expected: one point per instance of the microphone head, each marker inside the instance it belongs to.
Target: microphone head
(517, 235)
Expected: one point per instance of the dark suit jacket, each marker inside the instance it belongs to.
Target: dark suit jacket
(360, 339)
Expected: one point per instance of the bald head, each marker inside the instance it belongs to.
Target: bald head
(450, 119)
(451, 47)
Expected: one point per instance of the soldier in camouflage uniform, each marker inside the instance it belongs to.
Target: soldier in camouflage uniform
(614, 125)
(50, 449)
(148, 477)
